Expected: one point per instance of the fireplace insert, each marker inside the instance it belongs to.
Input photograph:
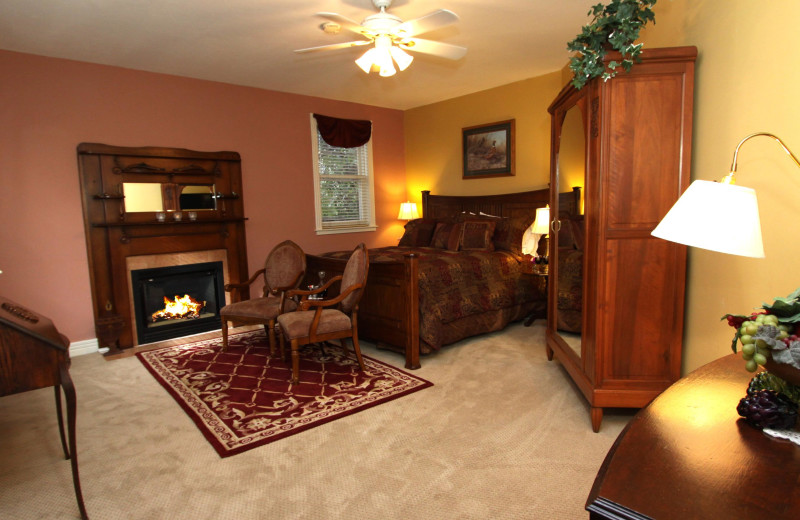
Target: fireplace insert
(170, 302)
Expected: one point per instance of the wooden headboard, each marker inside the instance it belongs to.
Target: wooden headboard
(522, 204)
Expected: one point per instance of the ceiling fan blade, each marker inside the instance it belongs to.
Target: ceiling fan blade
(427, 23)
(344, 22)
(443, 50)
(334, 46)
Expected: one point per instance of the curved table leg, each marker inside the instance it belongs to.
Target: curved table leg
(69, 393)
(60, 415)
(549, 352)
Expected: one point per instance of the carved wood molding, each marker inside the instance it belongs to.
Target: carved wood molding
(113, 235)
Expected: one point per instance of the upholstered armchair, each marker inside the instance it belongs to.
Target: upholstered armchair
(283, 270)
(319, 320)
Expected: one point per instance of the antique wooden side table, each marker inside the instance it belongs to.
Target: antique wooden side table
(33, 354)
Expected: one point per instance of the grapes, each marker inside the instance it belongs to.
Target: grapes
(751, 328)
(767, 381)
(767, 409)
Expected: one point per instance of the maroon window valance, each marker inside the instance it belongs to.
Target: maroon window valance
(344, 133)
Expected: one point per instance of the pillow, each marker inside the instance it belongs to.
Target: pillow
(446, 235)
(565, 239)
(508, 233)
(575, 225)
(476, 235)
(418, 232)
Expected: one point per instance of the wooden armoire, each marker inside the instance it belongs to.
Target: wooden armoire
(627, 141)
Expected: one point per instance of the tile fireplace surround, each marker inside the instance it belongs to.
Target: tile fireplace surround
(118, 241)
(169, 260)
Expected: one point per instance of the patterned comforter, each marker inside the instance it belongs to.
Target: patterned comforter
(454, 285)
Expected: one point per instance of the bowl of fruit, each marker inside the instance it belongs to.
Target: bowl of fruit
(770, 338)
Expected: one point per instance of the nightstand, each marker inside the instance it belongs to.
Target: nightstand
(535, 270)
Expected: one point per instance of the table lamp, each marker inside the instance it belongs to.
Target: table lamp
(408, 211)
(540, 228)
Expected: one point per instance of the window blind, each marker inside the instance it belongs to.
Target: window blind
(344, 188)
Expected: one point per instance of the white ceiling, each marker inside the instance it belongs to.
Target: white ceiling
(251, 42)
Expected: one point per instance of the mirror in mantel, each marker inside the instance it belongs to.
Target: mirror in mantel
(157, 196)
(571, 171)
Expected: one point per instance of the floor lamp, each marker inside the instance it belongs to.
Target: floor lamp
(719, 216)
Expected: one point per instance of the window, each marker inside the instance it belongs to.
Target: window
(343, 186)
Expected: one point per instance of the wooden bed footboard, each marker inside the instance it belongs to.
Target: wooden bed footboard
(389, 308)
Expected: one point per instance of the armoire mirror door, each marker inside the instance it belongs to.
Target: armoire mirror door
(567, 238)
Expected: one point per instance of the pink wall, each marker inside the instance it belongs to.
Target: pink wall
(49, 106)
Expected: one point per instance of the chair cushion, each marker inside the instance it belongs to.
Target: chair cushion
(283, 265)
(354, 272)
(298, 324)
(266, 308)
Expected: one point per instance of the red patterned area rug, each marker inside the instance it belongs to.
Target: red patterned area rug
(241, 397)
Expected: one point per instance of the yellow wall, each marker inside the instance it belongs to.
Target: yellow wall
(746, 81)
(433, 138)
(747, 77)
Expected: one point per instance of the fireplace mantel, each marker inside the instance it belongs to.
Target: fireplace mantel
(114, 234)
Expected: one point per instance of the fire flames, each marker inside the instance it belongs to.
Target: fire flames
(178, 308)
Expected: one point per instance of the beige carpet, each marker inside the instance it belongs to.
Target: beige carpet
(503, 434)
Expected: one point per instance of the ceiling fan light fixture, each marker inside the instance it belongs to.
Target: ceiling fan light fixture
(366, 60)
(380, 58)
(401, 57)
(391, 37)
(385, 64)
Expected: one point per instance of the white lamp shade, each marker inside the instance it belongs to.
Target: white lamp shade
(408, 211)
(400, 56)
(366, 60)
(380, 57)
(542, 223)
(539, 228)
(715, 216)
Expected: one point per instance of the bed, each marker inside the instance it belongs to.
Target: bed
(421, 297)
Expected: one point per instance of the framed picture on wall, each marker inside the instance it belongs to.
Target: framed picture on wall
(488, 150)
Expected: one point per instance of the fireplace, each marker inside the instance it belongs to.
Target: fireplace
(122, 236)
(175, 301)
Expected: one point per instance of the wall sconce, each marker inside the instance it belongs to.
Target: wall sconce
(408, 211)
(718, 216)
(540, 228)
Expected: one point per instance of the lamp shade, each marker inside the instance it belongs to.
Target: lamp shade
(539, 228)
(542, 223)
(715, 216)
(400, 56)
(380, 57)
(408, 211)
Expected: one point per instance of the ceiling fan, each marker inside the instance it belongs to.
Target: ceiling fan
(392, 37)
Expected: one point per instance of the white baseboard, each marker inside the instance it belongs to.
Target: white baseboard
(80, 348)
